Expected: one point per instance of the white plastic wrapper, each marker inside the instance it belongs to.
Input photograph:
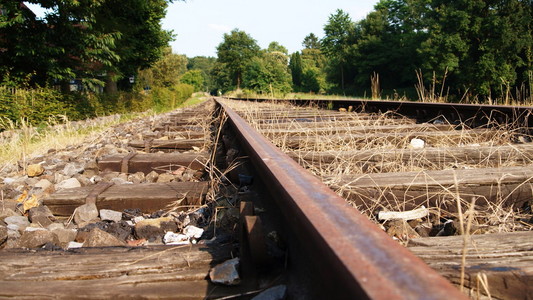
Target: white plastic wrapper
(193, 232)
(172, 238)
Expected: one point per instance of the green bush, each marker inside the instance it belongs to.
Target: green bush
(37, 106)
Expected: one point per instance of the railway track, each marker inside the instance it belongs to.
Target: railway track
(217, 167)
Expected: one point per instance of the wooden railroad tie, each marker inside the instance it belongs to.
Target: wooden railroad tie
(159, 162)
(149, 197)
(509, 185)
(506, 259)
(430, 137)
(487, 156)
(187, 144)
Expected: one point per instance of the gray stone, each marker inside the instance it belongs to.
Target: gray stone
(58, 177)
(85, 213)
(136, 178)
(188, 175)
(91, 169)
(68, 184)
(151, 177)
(110, 215)
(37, 239)
(21, 221)
(121, 230)
(41, 215)
(95, 179)
(109, 176)
(278, 292)
(9, 180)
(165, 177)
(84, 181)
(31, 181)
(43, 184)
(100, 238)
(3, 234)
(7, 212)
(226, 273)
(11, 243)
(227, 218)
(13, 231)
(65, 236)
(72, 169)
(55, 226)
(118, 181)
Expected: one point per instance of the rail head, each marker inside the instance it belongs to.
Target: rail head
(366, 262)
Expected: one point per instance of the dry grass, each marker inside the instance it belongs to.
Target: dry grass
(23, 141)
(355, 146)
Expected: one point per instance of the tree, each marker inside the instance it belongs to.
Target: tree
(194, 78)
(386, 43)
(268, 74)
(222, 78)
(165, 72)
(205, 65)
(20, 60)
(73, 48)
(142, 40)
(485, 45)
(295, 66)
(236, 51)
(81, 39)
(338, 36)
(276, 47)
(311, 42)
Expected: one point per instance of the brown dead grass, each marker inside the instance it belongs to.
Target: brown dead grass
(325, 137)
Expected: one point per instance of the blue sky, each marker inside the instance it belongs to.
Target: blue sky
(200, 24)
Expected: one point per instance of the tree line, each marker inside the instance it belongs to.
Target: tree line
(470, 50)
(456, 50)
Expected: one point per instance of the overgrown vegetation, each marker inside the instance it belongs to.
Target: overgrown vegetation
(469, 51)
(38, 106)
(350, 152)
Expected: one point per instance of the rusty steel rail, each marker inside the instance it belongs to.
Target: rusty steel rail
(469, 114)
(355, 257)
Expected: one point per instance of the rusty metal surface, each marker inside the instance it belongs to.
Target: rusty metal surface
(124, 166)
(357, 259)
(98, 189)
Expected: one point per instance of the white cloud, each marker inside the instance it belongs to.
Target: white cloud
(219, 27)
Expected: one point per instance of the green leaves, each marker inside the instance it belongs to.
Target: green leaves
(236, 51)
(82, 39)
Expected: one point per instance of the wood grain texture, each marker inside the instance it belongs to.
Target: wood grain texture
(157, 272)
(506, 259)
(148, 197)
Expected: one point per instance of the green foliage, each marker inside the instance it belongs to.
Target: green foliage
(276, 47)
(481, 48)
(338, 37)
(80, 40)
(142, 40)
(196, 78)
(235, 52)
(311, 42)
(296, 68)
(206, 65)
(165, 72)
(268, 73)
(485, 45)
(38, 106)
